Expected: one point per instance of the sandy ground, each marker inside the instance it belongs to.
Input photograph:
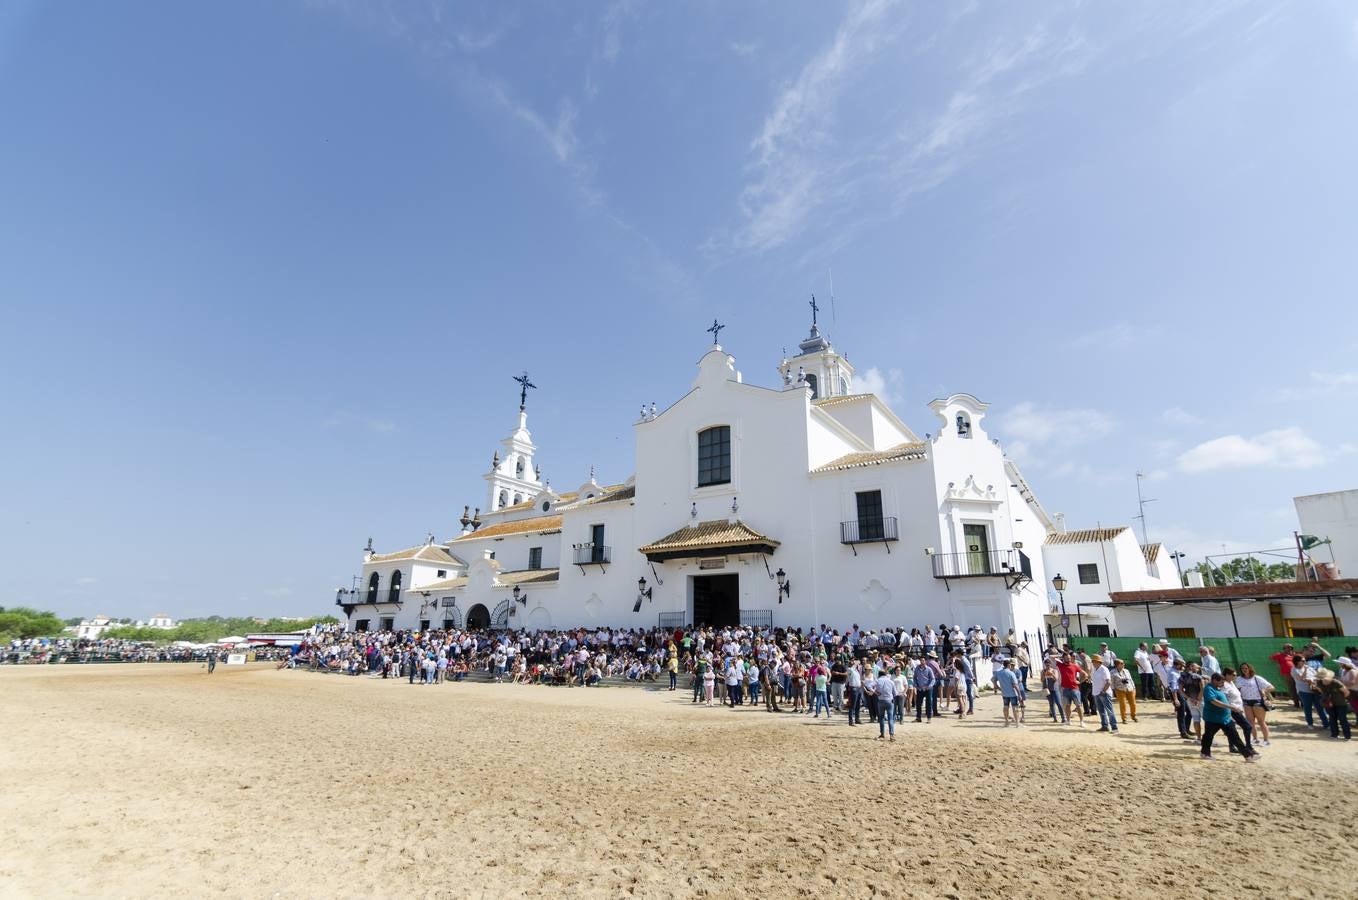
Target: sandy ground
(138, 780)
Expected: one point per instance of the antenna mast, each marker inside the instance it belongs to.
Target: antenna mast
(1141, 504)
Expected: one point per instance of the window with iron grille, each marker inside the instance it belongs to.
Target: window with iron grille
(869, 515)
(714, 455)
(535, 557)
(1089, 573)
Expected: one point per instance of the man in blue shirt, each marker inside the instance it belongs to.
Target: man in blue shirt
(1007, 680)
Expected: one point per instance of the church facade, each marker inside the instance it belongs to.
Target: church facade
(792, 505)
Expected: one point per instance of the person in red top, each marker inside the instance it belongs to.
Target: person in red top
(1284, 661)
(1071, 674)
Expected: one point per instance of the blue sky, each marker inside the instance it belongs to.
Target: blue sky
(266, 268)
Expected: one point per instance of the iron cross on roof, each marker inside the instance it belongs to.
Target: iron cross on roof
(524, 385)
(715, 331)
(814, 309)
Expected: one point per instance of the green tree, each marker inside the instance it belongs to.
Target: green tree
(23, 622)
(1244, 570)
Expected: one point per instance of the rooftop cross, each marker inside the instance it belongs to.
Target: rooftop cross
(524, 385)
(715, 330)
(814, 309)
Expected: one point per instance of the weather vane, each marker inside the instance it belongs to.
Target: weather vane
(715, 331)
(524, 385)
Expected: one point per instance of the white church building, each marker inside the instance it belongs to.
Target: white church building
(792, 505)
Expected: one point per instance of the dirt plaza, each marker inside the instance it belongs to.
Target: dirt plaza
(140, 779)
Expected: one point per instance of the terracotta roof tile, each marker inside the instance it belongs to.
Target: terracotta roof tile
(518, 526)
(1086, 535)
(715, 536)
(1151, 552)
(447, 584)
(874, 457)
(424, 553)
(528, 576)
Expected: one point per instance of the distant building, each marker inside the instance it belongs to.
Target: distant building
(91, 629)
(1332, 515)
(1096, 562)
(160, 620)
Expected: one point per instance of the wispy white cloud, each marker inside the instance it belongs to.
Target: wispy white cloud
(1028, 428)
(1177, 415)
(1118, 335)
(1320, 384)
(476, 42)
(1335, 379)
(1289, 448)
(889, 385)
(993, 88)
(86, 580)
(744, 48)
(365, 423)
(786, 184)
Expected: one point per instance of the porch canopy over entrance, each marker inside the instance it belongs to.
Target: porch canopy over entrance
(715, 538)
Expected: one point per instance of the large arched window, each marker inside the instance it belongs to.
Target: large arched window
(518, 468)
(714, 455)
(372, 587)
(504, 499)
(394, 592)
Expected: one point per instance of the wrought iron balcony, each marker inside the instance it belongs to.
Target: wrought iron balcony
(1012, 565)
(869, 531)
(592, 555)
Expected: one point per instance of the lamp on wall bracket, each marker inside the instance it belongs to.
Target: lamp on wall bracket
(784, 585)
(519, 596)
(642, 589)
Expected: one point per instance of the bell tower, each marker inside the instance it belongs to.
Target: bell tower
(818, 365)
(513, 476)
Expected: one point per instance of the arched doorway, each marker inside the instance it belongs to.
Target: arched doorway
(478, 617)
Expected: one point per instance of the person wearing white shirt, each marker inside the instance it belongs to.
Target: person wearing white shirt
(1145, 670)
(1235, 699)
(1207, 659)
(1101, 686)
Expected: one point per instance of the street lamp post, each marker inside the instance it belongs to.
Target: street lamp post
(1060, 584)
(1178, 556)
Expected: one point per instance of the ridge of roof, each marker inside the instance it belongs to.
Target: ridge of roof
(424, 552)
(908, 450)
(517, 526)
(1086, 535)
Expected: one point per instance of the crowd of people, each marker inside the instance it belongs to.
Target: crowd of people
(75, 650)
(42, 651)
(889, 673)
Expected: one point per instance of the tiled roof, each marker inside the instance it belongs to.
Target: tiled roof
(836, 401)
(874, 457)
(1151, 552)
(716, 536)
(424, 552)
(528, 576)
(447, 584)
(1341, 587)
(1086, 536)
(616, 492)
(518, 526)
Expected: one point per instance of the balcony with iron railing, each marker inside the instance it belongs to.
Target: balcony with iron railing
(1012, 565)
(592, 554)
(876, 530)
